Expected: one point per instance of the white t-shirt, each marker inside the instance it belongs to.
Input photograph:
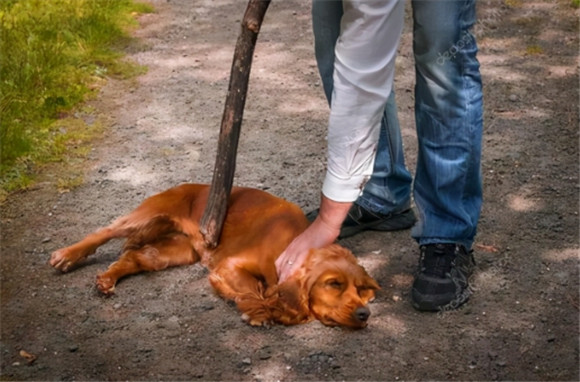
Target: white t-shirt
(363, 78)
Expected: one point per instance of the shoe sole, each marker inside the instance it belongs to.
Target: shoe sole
(424, 304)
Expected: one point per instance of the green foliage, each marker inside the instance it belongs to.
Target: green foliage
(575, 3)
(52, 53)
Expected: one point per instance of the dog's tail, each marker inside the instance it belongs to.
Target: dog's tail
(152, 230)
(163, 225)
(191, 228)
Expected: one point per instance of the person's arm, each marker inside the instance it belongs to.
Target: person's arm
(363, 77)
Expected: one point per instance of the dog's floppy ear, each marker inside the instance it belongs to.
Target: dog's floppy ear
(292, 300)
(369, 282)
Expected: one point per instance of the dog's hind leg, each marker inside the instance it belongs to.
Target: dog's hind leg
(173, 250)
(140, 225)
(64, 258)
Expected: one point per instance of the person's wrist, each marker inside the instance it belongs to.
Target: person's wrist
(333, 213)
(325, 233)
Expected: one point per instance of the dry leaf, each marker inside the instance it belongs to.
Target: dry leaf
(487, 248)
(29, 357)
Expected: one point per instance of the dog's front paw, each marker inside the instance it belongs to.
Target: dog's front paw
(63, 259)
(105, 284)
(261, 321)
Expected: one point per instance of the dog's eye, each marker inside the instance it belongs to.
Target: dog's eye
(333, 283)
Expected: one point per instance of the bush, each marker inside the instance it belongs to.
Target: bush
(52, 52)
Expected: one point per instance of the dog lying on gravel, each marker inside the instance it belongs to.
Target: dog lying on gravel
(164, 231)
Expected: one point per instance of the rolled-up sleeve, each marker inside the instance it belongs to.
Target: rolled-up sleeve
(363, 78)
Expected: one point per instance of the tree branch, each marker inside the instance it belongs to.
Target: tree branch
(225, 165)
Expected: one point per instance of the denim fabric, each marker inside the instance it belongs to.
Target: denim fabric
(448, 113)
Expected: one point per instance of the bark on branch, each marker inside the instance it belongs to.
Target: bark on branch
(225, 164)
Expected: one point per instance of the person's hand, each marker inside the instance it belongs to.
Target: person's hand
(322, 232)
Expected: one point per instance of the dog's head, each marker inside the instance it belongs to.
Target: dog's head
(330, 287)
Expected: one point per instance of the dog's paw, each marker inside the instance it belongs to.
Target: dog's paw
(256, 321)
(63, 259)
(105, 285)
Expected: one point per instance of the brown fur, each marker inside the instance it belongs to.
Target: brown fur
(164, 231)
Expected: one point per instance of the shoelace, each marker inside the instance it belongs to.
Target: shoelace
(437, 260)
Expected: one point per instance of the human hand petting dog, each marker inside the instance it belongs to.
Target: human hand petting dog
(323, 231)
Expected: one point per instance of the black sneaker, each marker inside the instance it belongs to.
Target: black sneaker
(442, 282)
(360, 219)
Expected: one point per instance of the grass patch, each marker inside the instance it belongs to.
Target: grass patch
(533, 50)
(55, 54)
(513, 3)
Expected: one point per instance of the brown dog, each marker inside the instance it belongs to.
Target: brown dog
(164, 231)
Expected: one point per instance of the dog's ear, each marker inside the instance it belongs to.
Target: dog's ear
(292, 300)
(368, 288)
(369, 282)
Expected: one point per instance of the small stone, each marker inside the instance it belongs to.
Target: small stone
(513, 97)
(265, 353)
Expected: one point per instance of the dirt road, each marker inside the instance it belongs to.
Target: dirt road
(521, 324)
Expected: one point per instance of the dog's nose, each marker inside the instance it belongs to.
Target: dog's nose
(362, 313)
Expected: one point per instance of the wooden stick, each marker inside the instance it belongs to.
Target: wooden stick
(225, 164)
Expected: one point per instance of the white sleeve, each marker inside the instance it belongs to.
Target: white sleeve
(363, 78)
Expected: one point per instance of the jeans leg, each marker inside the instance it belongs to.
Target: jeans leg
(448, 113)
(389, 189)
(326, 16)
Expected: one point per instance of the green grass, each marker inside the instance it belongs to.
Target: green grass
(534, 49)
(53, 54)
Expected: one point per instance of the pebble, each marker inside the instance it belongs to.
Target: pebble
(265, 353)
(513, 97)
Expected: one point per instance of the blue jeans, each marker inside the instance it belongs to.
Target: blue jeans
(448, 114)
